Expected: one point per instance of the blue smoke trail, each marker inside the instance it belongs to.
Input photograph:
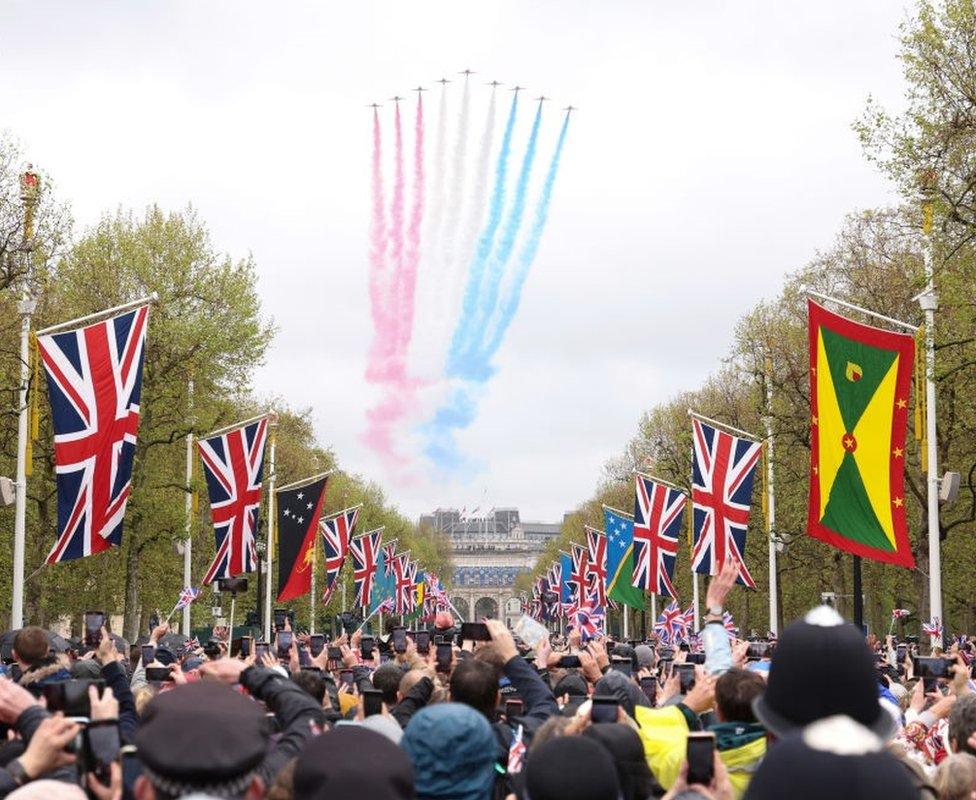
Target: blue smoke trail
(510, 304)
(468, 365)
(485, 243)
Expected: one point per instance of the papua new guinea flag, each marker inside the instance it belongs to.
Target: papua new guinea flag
(299, 509)
(860, 377)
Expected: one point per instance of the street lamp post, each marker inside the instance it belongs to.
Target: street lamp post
(30, 187)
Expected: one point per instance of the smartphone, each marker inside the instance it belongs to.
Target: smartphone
(158, 674)
(513, 708)
(474, 632)
(283, 644)
(242, 647)
(664, 668)
(686, 677)
(366, 646)
(701, 758)
(280, 615)
(335, 654)
(695, 658)
(372, 702)
(346, 677)
(913, 639)
(649, 688)
(100, 745)
(604, 709)
(445, 653)
(71, 696)
(148, 654)
(261, 649)
(316, 643)
(398, 638)
(569, 662)
(900, 652)
(757, 651)
(667, 654)
(94, 622)
(422, 638)
(930, 669)
(304, 659)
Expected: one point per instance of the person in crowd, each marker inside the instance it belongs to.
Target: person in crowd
(352, 763)
(35, 662)
(955, 777)
(571, 768)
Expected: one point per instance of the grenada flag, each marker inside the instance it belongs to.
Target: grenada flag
(860, 378)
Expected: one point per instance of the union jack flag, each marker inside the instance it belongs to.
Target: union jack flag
(900, 613)
(729, 624)
(723, 468)
(404, 585)
(187, 596)
(364, 550)
(933, 628)
(94, 380)
(436, 591)
(233, 464)
(579, 577)
(191, 644)
(596, 564)
(337, 530)
(587, 617)
(672, 626)
(516, 753)
(389, 557)
(387, 606)
(658, 514)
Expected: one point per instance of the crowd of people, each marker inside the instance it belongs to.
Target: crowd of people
(473, 712)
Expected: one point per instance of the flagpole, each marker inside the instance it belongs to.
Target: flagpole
(653, 610)
(929, 302)
(694, 596)
(626, 615)
(273, 422)
(771, 503)
(230, 628)
(107, 312)
(29, 192)
(188, 511)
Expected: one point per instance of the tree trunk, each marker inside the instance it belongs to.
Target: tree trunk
(130, 618)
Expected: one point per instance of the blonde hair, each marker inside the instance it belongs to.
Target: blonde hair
(142, 696)
(955, 777)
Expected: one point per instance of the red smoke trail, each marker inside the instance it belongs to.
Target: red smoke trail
(377, 253)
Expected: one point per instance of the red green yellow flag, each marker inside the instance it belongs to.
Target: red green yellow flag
(860, 377)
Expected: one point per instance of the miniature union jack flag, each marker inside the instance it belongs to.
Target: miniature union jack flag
(404, 584)
(587, 617)
(658, 515)
(729, 624)
(672, 626)
(596, 564)
(933, 628)
(187, 597)
(337, 530)
(516, 753)
(723, 468)
(387, 606)
(900, 613)
(233, 464)
(365, 550)
(94, 380)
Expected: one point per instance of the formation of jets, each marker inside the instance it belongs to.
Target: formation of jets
(467, 73)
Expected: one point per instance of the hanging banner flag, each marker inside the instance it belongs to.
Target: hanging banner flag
(860, 378)
(658, 516)
(384, 585)
(723, 470)
(403, 587)
(365, 551)
(94, 381)
(565, 578)
(672, 626)
(619, 529)
(299, 509)
(233, 464)
(337, 531)
(596, 564)
(579, 574)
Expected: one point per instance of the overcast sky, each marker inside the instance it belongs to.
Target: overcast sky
(712, 153)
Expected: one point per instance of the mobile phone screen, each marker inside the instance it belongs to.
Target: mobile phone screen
(701, 758)
(513, 708)
(474, 632)
(346, 677)
(399, 639)
(686, 676)
(335, 654)
(101, 746)
(246, 642)
(423, 642)
(366, 646)
(284, 640)
(94, 620)
(372, 702)
(649, 688)
(148, 654)
(444, 655)
(261, 649)
(158, 674)
(280, 615)
(316, 642)
(569, 662)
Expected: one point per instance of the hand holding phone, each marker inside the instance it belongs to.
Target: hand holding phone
(604, 708)
(284, 640)
(444, 656)
(475, 632)
(316, 643)
(94, 622)
(422, 638)
(399, 638)
(701, 758)
(372, 702)
(366, 646)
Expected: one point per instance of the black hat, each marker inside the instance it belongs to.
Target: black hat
(834, 757)
(573, 684)
(625, 747)
(822, 667)
(200, 736)
(571, 768)
(353, 762)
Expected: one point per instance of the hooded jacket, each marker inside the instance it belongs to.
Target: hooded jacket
(50, 670)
